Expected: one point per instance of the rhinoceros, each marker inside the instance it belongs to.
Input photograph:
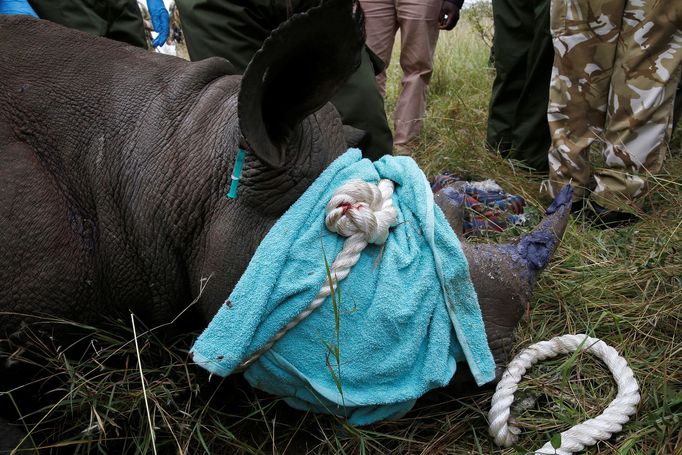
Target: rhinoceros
(114, 164)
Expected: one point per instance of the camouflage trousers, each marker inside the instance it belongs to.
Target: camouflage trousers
(616, 68)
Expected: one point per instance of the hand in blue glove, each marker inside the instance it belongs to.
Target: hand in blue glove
(16, 7)
(160, 21)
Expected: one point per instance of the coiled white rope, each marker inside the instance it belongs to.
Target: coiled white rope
(582, 435)
(364, 213)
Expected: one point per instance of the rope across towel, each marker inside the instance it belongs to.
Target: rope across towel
(364, 213)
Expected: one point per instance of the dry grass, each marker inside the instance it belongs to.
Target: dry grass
(624, 286)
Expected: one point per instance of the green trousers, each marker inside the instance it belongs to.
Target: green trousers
(119, 20)
(235, 30)
(517, 118)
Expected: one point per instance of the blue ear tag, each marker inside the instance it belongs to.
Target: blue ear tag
(236, 173)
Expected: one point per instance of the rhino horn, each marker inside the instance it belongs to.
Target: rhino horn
(538, 247)
(529, 255)
(504, 274)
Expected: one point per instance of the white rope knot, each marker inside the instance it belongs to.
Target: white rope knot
(364, 213)
(361, 208)
(582, 435)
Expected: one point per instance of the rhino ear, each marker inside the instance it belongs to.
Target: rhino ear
(297, 70)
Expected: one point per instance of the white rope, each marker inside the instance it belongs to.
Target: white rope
(582, 435)
(364, 213)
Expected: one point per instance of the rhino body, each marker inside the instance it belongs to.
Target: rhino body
(114, 167)
(114, 164)
(96, 141)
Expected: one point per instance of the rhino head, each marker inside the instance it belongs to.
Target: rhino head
(152, 208)
(283, 98)
(289, 130)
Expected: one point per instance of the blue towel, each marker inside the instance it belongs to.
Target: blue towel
(398, 336)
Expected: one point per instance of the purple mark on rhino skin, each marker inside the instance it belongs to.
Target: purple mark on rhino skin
(526, 258)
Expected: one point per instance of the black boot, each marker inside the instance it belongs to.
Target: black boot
(603, 218)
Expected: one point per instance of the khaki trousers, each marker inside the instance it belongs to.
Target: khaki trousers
(417, 21)
(616, 69)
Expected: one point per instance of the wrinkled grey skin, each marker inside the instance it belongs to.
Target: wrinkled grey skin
(114, 164)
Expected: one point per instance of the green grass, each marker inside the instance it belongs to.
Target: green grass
(623, 286)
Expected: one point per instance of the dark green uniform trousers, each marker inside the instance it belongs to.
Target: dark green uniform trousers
(119, 20)
(235, 30)
(517, 119)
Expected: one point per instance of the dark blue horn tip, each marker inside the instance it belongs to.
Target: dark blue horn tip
(538, 246)
(563, 199)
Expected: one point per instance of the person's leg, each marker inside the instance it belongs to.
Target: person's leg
(233, 30)
(585, 34)
(361, 105)
(677, 109)
(530, 134)
(640, 108)
(83, 15)
(126, 24)
(418, 21)
(513, 22)
(381, 24)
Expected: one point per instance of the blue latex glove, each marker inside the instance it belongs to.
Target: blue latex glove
(160, 21)
(16, 7)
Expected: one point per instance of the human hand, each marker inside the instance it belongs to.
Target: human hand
(449, 15)
(160, 21)
(16, 7)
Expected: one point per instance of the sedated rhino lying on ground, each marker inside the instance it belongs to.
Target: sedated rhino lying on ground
(114, 164)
